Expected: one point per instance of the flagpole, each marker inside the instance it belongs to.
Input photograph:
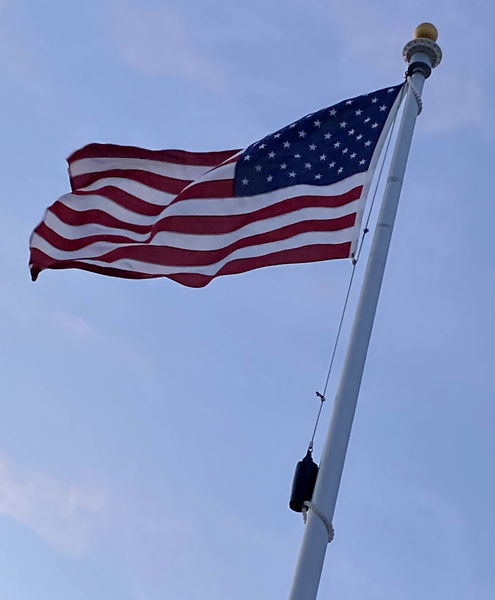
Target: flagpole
(422, 54)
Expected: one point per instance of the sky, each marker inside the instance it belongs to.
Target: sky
(149, 431)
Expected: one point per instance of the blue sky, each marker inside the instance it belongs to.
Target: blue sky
(149, 432)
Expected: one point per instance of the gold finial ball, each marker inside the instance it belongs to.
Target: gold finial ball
(426, 30)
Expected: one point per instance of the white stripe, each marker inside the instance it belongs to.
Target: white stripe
(76, 232)
(134, 188)
(200, 206)
(241, 205)
(224, 206)
(215, 242)
(197, 242)
(219, 173)
(222, 173)
(95, 202)
(101, 164)
(136, 266)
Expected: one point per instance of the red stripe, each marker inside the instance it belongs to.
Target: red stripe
(123, 199)
(233, 159)
(189, 224)
(40, 261)
(213, 225)
(70, 245)
(220, 188)
(158, 182)
(314, 253)
(218, 224)
(166, 255)
(304, 254)
(180, 157)
(83, 217)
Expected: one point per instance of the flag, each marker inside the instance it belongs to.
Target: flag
(295, 196)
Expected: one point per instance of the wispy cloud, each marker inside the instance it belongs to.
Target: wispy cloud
(158, 41)
(82, 514)
(75, 325)
(65, 514)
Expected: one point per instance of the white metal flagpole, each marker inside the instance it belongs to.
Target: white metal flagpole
(422, 54)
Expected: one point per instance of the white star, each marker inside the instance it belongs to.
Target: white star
(333, 112)
(257, 168)
(283, 166)
(261, 146)
(340, 170)
(323, 157)
(374, 126)
(351, 131)
(271, 154)
(328, 136)
(358, 137)
(312, 146)
(269, 178)
(302, 133)
(367, 119)
(362, 161)
(383, 107)
(317, 123)
(336, 145)
(247, 157)
(349, 102)
(343, 124)
(277, 135)
(358, 112)
(318, 176)
(368, 143)
(391, 90)
(307, 165)
(345, 150)
(373, 100)
(332, 164)
(292, 174)
(286, 144)
(245, 181)
(297, 156)
(292, 125)
(353, 155)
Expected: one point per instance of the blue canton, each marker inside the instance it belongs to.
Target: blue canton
(319, 149)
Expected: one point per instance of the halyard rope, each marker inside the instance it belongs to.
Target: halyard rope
(415, 94)
(309, 505)
(355, 261)
(326, 522)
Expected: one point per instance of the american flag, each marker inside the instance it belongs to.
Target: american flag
(295, 196)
